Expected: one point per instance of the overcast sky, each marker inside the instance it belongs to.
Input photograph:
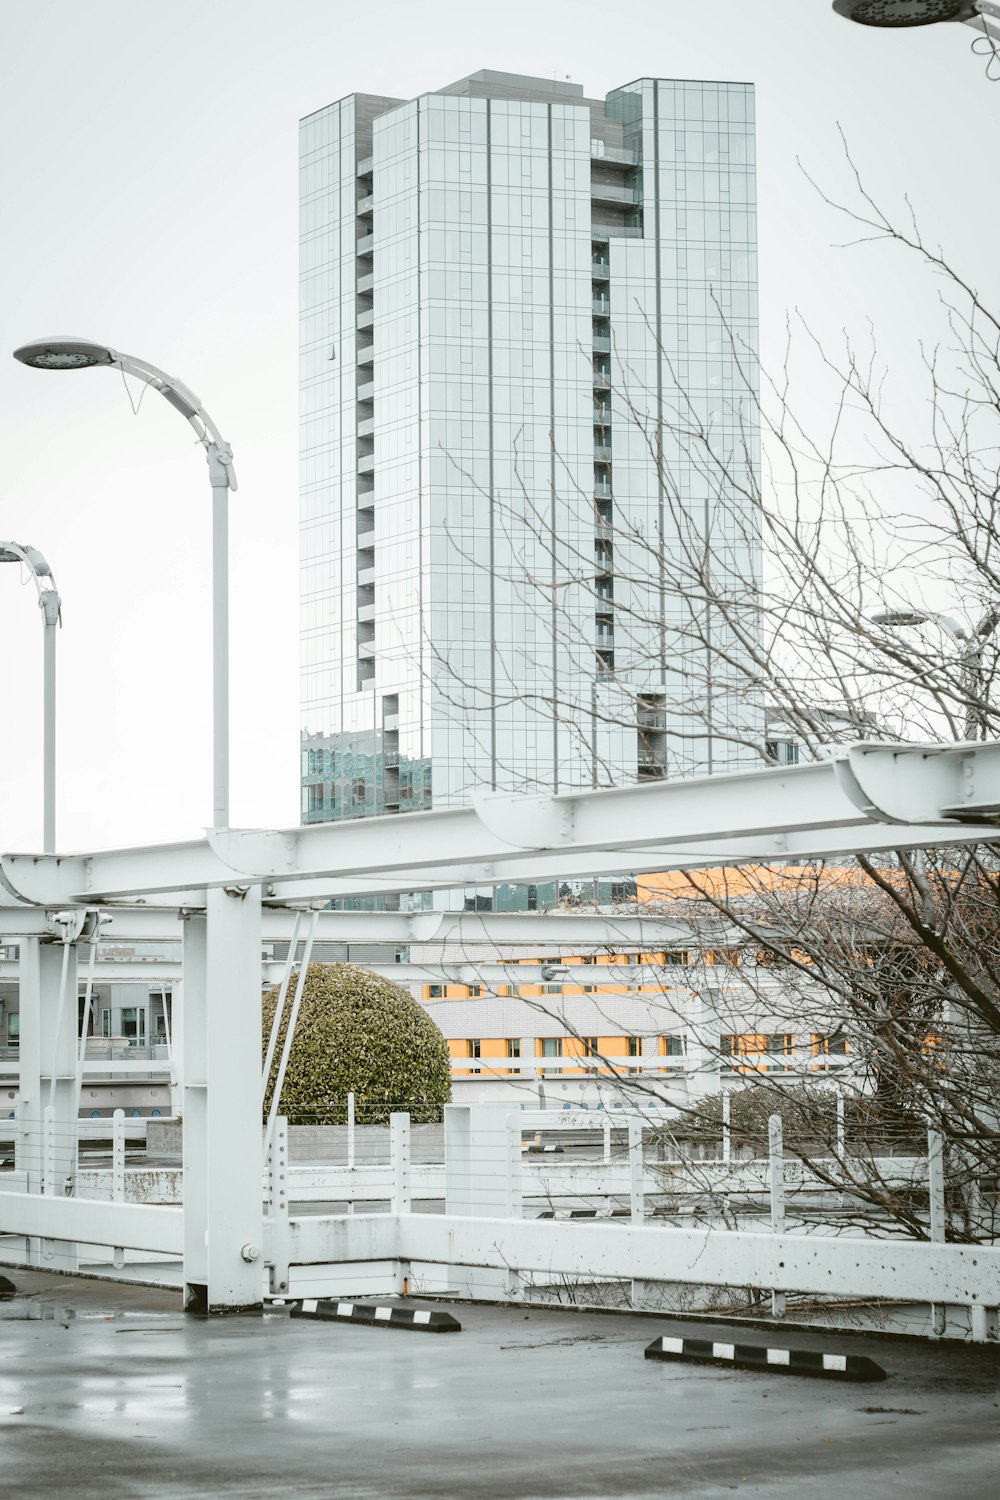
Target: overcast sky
(149, 200)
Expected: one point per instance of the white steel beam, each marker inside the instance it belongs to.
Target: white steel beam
(463, 971)
(131, 1226)
(926, 794)
(902, 1270)
(555, 929)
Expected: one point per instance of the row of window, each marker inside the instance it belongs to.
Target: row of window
(731, 1044)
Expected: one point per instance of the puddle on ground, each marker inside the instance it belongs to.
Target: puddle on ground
(26, 1310)
(23, 1310)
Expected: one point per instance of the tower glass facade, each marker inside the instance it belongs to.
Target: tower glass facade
(516, 302)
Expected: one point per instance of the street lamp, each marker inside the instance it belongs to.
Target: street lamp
(51, 606)
(895, 14)
(970, 655)
(83, 354)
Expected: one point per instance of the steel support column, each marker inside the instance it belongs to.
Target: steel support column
(223, 1202)
(46, 1146)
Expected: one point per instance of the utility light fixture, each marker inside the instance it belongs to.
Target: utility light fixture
(65, 352)
(905, 12)
(899, 619)
(982, 15)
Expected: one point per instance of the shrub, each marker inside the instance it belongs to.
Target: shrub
(359, 1032)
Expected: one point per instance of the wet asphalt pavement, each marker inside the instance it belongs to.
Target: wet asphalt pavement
(111, 1393)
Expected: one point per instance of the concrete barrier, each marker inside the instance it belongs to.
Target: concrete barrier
(420, 1320)
(775, 1359)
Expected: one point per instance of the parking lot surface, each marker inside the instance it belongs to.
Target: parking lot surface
(110, 1392)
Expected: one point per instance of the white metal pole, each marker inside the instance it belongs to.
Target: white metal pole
(88, 1001)
(50, 605)
(279, 1007)
(935, 1186)
(290, 1034)
(220, 637)
(776, 1174)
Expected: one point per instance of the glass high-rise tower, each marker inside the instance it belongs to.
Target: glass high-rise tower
(513, 298)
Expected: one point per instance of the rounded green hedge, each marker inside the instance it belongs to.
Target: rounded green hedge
(357, 1031)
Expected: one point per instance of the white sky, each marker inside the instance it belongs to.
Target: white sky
(149, 199)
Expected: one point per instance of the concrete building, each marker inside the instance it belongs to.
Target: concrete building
(512, 297)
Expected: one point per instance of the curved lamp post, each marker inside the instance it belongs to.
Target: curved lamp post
(82, 354)
(970, 654)
(51, 606)
(896, 14)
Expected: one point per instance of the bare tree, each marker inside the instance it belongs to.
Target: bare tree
(874, 535)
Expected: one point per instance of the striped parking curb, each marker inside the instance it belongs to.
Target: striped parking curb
(765, 1357)
(421, 1320)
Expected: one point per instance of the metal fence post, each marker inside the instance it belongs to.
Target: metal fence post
(399, 1155)
(515, 1169)
(49, 1150)
(277, 1192)
(350, 1129)
(935, 1185)
(606, 1122)
(118, 1156)
(776, 1164)
(636, 1195)
(937, 1227)
(727, 1144)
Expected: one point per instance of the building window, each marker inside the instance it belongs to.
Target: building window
(475, 991)
(785, 752)
(513, 1046)
(550, 1046)
(672, 1046)
(434, 992)
(755, 1046)
(677, 958)
(475, 1047)
(590, 1048)
(834, 1045)
(14, 1027)
(133, 1023)
(633, 1046)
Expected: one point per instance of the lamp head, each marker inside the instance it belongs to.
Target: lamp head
(898, 13)
(64, 354)
(894, 617)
